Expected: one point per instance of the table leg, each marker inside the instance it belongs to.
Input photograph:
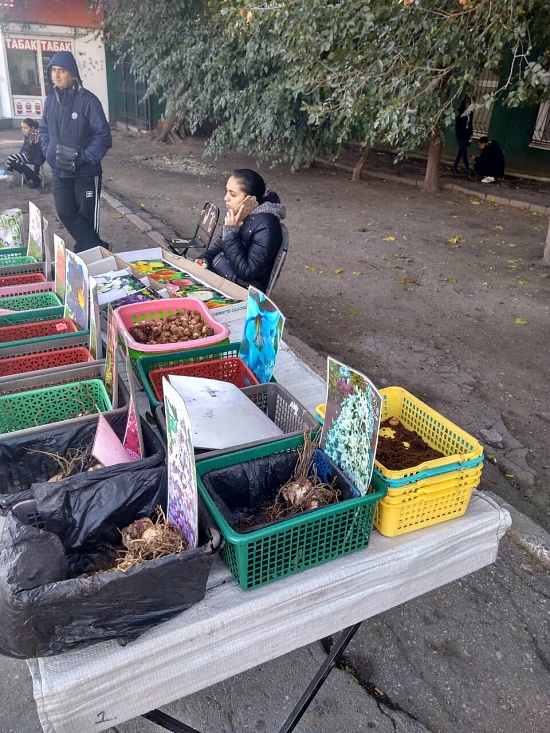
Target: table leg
(168, 722)
(338, 648)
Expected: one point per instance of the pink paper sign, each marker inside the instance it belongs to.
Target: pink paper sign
(107, 447)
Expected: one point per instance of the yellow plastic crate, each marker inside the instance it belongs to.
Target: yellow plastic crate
(439, 482)
(438, 432)
(394, 517)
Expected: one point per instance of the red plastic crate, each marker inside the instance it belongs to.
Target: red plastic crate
(9, 281)
(48, 360)
(230, 369)
(39, 329)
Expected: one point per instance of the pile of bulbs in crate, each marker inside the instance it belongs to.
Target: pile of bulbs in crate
(245, 469)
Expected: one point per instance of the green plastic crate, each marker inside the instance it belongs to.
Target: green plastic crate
(12, 260)
(146, 364)
(46, 314)
(30, 301)
(11, 252)
(52, 404)
(277, 550)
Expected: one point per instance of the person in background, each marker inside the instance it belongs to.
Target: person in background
(29, 159)
(464, 130)
(75, 138)
(246, 249)
(489, 164)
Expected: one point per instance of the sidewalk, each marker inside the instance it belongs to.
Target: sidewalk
(514, 190)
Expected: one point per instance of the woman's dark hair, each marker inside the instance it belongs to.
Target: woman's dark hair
(254, 185)
(31, 123)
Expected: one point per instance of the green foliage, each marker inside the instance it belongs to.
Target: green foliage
(292, 79)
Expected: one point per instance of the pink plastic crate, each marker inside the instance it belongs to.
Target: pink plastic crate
(28, 289)
(138, 314)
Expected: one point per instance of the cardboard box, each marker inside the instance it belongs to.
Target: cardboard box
(206, 277)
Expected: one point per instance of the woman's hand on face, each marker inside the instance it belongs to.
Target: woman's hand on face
(235, 217)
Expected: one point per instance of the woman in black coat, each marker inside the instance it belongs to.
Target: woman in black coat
(251, 236)
(30, 154)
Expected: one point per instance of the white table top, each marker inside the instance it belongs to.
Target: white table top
(233, 630)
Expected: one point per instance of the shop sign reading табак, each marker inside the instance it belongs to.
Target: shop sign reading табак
(30, 44)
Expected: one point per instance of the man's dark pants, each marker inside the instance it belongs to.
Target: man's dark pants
(77, 204)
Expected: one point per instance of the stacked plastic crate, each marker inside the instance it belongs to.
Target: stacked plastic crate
(47, 373)
(435, 490)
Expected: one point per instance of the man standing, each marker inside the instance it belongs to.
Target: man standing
(75, 137)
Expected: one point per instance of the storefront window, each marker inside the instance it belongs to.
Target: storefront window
(23, 69)
(28, 59)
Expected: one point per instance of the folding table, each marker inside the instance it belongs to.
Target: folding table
(231, 630)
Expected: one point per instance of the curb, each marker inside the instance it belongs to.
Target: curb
(528, 535)
(154, 228)
(524, 532)
(418, 182)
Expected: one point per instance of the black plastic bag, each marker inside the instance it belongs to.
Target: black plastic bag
(238, 488)
(21, 465)
(43, 611)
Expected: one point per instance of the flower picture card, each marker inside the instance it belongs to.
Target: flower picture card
(352, 422)
(262, 335)
(183, 510)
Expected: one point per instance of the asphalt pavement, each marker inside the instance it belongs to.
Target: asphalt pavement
(471, 657)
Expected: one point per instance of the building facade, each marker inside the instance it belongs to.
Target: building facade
(31, 32)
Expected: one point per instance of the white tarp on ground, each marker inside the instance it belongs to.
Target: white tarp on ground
(232, 630)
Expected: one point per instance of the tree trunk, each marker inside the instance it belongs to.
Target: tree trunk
(358, 167)
(431, 179)
(546, 255)
(169, 122)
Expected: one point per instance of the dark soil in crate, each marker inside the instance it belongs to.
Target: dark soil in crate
(394, 455)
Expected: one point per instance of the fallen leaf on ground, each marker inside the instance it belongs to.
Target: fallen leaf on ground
(406, 280)
(388, 239)
(353, 313)
(400, 256)
(512, 245)
(521, 321)
(523, 282)
(357, 272)
(338, 271)
(536, 213)
(454, 240)
(311, 267)
(475, 202)
(449, 280)
(499, 227)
